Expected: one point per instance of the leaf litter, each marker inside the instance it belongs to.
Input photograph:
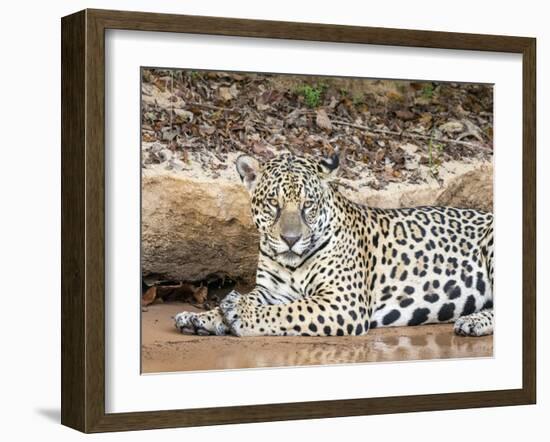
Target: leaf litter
(195, 116)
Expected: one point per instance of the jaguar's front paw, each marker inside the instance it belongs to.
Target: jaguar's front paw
(230, 309)
(202, 323)
(184, 323)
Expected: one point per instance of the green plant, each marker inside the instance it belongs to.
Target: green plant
(358, 99)
(312, 94)
(428, 91)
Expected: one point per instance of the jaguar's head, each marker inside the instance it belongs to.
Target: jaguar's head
(290, 203)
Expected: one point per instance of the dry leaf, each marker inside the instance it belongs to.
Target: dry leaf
(259, 148)
(395, 96)
(201, 294)
(184, 115)
(409, 148)
(452, 127)
(425, 119)
(149, 296)
(323, 120)
(412, 162)
(473, 130)
(207, 129)
(225, 94)
(160, 84)
(405, 115)
(148, 137)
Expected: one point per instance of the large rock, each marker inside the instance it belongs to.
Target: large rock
(466, 185)
(472, 190)
(194, 227)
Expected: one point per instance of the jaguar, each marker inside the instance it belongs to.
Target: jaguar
(328, 266)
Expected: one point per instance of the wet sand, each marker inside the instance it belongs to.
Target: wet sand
(164, 349)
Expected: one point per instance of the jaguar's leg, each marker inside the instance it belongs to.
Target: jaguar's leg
(212, 322)
(201, 323)
(319, 315)
(480, 323)
(476, 324)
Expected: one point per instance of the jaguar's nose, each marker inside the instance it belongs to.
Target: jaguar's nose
(291, 239)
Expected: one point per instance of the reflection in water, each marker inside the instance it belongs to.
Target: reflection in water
(363, 349)
(165, 350)
(382, 345)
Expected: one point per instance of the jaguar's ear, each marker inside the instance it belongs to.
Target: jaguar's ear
(249, 170)
(329, 166)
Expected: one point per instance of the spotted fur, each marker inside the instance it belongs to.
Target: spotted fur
(328, 266)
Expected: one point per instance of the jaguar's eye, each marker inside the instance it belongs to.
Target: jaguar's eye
(308, 204)
(273, 202)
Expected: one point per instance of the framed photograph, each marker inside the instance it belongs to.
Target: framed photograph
(267, 221)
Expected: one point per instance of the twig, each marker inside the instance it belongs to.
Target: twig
(210, 106)
(405, 134)
(261, 123)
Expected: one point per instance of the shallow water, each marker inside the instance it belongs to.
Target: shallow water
(165, 349)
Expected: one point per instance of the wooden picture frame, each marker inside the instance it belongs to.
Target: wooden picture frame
(83, 220)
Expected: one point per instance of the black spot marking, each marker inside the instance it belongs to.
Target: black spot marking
(434, 297)
(406, 302)
(449, 285)
(375, 240)
(446, 312)
(480, 284)
(469, 306)
(455, 293)
(391, 317)
(419, 316)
